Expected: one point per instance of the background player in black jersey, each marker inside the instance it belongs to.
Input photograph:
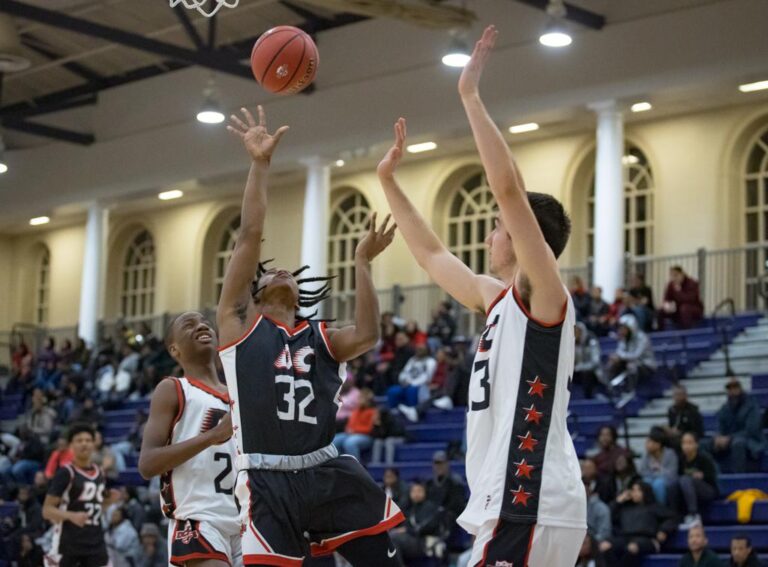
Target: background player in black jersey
(283, 374)
(74, 504)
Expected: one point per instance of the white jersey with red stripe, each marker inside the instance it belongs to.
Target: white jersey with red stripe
(521, 463)
(202, 488)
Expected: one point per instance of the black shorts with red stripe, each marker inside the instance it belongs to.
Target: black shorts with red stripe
(332, 503)
(191, 540)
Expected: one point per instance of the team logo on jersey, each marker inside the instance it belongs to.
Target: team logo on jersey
(212, 418)
(300, 362)
(501, 564)
(187, 534)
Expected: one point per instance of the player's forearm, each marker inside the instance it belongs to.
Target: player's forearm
(159, 460)
(254, 208)
(419, 236)
(503, 175)
(55, 515)
(366, 304)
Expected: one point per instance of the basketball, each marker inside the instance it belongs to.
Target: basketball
(284, 60)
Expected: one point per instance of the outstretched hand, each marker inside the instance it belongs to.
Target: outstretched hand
(375, 241)
(470, 75)
(256, 139)
(391, 160)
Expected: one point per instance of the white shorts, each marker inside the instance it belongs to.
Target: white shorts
(505, 544)
(192, 540)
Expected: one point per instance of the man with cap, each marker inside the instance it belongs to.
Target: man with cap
(446, 488)
(740, 439)
(154, 549)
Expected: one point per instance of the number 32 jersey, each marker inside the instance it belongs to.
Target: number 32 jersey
(285, 387)
(202, 488)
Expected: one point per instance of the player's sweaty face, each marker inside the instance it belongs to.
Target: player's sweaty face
(193, 331)
(82, 445)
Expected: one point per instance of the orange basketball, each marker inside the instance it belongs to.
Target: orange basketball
(284, 60)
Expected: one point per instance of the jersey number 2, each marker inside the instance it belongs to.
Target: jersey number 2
(223, 474)
(292, 412)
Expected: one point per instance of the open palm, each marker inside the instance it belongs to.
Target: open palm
(256, 139)
(391, 160)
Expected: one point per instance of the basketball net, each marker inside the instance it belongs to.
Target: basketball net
(199, 5)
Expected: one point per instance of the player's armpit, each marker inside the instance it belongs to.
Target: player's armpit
(475, 292)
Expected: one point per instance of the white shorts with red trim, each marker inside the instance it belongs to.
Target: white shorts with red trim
(190, 540)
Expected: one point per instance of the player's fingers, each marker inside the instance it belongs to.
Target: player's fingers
(235, 131)
(262, 118)
(248, 117)
(238, 122)
(280, 131)
(383, 229)
(372, 222)
(391, 232)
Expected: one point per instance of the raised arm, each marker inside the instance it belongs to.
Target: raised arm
(233, 313)
(354, 340)
(157, 456)
(535, 257)
(474, 291)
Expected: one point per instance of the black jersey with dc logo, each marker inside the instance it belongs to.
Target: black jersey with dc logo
(80, 490)
(284, 388)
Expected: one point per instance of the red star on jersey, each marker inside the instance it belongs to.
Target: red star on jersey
(520, 496)
(531, 415)
(527, 443)
(537, 387)
(524, 469)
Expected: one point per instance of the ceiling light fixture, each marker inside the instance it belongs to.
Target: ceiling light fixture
(752, 87)
(556, 34)
(458, 54)
(37, 221)
(210, 112)
(521, 128)
(422, 147)
(641, 106)
(340, 163)
(170, 195)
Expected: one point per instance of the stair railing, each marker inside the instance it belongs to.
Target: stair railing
(723, 330)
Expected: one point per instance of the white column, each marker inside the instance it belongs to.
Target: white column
(609, 199)
(93, 263)
(314, 239)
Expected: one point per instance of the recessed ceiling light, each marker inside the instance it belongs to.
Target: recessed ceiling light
(169, 195)
(3, 167)
(39, 220)
(527, 127)
(423, 147)
(641, 106)
(752, 87)
(340, 163)
(630, 159)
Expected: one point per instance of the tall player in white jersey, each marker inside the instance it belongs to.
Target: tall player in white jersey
(188, 440)
(527, 503)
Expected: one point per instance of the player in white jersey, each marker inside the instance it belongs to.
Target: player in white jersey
(527, 504)
(188, 441)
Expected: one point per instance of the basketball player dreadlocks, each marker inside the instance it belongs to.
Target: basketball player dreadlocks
(284, 375)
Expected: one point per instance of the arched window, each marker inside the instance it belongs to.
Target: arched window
(349, 221)
(137, 299)
(470, 219)
(756, 214)
(43, 288)
(638, 205)
(223, 254)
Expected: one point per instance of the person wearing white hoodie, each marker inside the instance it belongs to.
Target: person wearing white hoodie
(633, 360)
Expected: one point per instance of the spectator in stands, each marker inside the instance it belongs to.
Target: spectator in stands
(40, 487)
(617, 308)
(742, 554)
(580, 297)
(132, 443)
(417, 336)
(633, 362)
(458, 382)
(640, 310)
(598, 516)
(103, 456)
(443, 326)
(8, 445)
(589, 554)
(30, 518)
(388, 433)
(438, 385)
(624, 476)
(88, 413)
(350, 399)
(69, 399)
(740, 436)
(60, 457)
(683, 416)
(122, 540)
(682, 305)
(642, 526)
(126, 497)
(587, 360)
(47, 377)
(81, 356)
(413, 387)
(389, 329)
(659, 464)
(22, 365)
(697, 484)
(422, 520)
(402, 354)
(699, 555)
(395, 487)
(446, 489)
(642, 290)
(608, 451)
(30, 455)
(602, 486)
(597, 318)
(154, 550)
(30, 554)
(358, 433)
(40, 418)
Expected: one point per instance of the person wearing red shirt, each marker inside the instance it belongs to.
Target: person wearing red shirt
(357, 436)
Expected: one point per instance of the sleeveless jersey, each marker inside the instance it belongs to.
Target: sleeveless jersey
(80, 490)
(284, 384)
(521, 464)
(202, 488)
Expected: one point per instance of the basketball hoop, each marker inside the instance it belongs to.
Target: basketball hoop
(199, 5)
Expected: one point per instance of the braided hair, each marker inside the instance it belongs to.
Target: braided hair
(307, 297)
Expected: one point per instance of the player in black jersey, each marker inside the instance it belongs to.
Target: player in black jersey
(284, 375)
(74, 504)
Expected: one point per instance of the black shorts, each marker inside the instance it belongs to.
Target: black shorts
(94, 560)
(331, 503)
